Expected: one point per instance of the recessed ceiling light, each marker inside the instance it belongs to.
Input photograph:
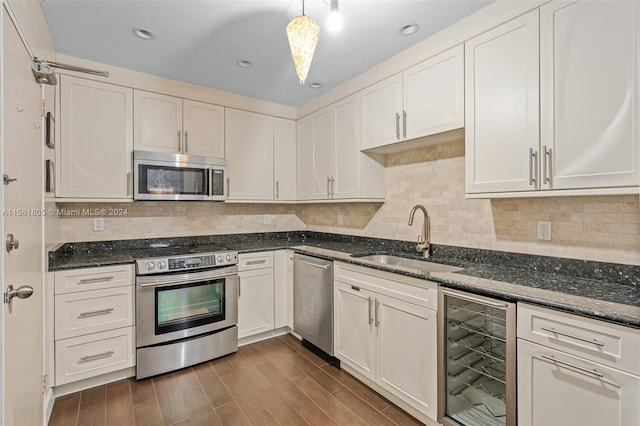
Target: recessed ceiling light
(409, 29)
(315, 85)
(143, 34)
(243, 63)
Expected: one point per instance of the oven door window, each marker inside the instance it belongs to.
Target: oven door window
(156, 179)
(189, 305)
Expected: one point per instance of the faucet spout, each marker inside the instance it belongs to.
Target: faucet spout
(424, 239)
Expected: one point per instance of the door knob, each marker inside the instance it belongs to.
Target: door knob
(12, 242)
(21, 292)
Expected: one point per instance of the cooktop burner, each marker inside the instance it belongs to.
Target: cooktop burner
(158, 260)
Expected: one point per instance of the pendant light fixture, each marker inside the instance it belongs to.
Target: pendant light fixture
(302, 33)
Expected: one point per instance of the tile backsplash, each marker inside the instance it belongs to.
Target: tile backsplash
(604, 228)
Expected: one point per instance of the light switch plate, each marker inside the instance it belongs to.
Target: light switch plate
(98, 224)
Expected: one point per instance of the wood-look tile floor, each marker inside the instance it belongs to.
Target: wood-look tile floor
(274, 382)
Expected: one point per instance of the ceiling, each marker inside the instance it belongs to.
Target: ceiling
(200, 42)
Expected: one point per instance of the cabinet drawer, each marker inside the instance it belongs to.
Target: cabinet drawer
(93, 278)
(95, 354)
(608, 344)
(249, 261)
(93, 311)
(413, 290)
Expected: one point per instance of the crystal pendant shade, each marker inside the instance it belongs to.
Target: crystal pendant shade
(302, 33)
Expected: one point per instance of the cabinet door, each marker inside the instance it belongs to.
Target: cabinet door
(354, 329)
(249, 149)
(589, 92)
(556, 389)
(382, 112)
(203, 129)
(347, 149)
(406, 352)
(157, 122)
(304, 172)
(434, 94)
(501, 107)
(284, 159)
(255, 302)
(281, 277)
(96, 130)
(323, 125)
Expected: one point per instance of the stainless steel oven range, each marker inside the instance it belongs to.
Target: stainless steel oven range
(186, 307)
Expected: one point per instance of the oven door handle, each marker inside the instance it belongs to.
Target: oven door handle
(164, 281)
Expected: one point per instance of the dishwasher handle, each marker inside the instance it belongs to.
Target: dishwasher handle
(316, 265)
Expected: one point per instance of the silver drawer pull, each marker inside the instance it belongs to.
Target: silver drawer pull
(256, 262)
(370, 316)
(553, 359)
(95, 280)
(94, 313)
(96, 356)
(572, 336)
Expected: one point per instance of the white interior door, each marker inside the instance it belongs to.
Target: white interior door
(22, 200)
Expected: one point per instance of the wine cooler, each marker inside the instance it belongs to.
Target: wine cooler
(476, 361)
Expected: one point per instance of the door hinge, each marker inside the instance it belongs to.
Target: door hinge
(45, 383)
(43, 113)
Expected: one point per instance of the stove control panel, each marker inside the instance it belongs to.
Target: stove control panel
(183, 263)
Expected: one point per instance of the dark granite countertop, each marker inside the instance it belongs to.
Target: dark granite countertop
(600, 290)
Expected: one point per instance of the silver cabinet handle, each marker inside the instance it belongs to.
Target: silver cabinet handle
(228, 187)
(572, 336)
(328, 187)
(377, 313)
(95, 280)
(333, 191)
(553, 359)
(277, 190)
(397, 126)
(532, 157)
(7, 180)
(256, 262)
(404, 124)
(96, 356)
(94, 313)
(129, 184)
(179, 141)
(370, 309)
(546, 166)
(186, 141)
(239, 287)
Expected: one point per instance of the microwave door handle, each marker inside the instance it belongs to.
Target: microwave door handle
(210, 178)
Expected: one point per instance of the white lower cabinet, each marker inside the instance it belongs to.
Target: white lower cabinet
(255, 294)
(576, 371)
(385, 333)
(94, 331)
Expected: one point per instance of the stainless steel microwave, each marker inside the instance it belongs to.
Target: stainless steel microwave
(165, 176)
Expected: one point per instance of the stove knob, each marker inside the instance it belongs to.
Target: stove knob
(228, 258)
(162, 264)
(220, 258)
(149, 266)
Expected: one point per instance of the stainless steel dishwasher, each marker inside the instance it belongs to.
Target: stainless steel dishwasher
(313, 301)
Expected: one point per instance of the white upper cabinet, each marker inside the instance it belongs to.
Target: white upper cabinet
(589, 94)
(96, 140)
(583, 135)
(423, 100)
(249, 149)
(203, 126)
(330, 164)
(164, 123)
(502, 121)
(304, 159)
(284, 159)
(433, 95)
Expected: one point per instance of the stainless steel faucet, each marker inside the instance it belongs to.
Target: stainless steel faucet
(423, 240)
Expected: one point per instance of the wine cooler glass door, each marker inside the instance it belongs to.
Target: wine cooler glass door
(478, 365)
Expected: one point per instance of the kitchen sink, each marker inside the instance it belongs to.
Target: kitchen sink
(420, 266)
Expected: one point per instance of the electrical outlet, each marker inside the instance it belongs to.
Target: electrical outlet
(267, 219)
(544, 230)
(340, 220)
(98, 224)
